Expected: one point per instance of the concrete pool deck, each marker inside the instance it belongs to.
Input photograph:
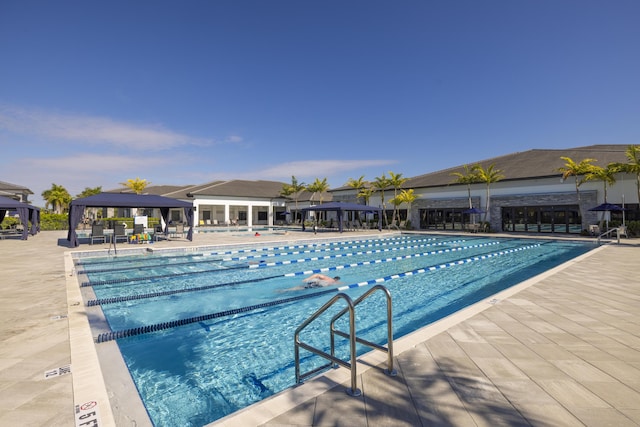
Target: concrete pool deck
(560, 349)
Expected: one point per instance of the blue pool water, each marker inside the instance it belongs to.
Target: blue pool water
(234, 343)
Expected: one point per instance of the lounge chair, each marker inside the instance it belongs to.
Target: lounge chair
(97, 233)
(119, 233)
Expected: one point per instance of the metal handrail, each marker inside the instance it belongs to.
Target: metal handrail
(389, 349)
(351, 336)
(354, 391)
(617, 230)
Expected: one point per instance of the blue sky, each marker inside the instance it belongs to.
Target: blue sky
(95, 93)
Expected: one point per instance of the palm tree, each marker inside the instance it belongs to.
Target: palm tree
(58, 197)
(396, 181)
(357, 184)
(577, 170)
(318, 186)
(408, 197)
(136, 185)
(366, 193)
(633, 166)
(488, 176)
(89, 192)
(606, 175)
(381, 183)
(468, 177)
(294, 190)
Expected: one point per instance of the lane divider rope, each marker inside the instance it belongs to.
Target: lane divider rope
(111, 300)
(209, 260)
(217, 270)
(113, 335)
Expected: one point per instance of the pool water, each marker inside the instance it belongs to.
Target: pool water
(217, 363)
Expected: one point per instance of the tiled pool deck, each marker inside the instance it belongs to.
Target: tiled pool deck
(562, 349)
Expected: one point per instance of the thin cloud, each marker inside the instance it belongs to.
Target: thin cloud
(93, 130)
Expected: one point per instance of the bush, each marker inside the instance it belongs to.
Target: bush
(9, 222)
(52, 221)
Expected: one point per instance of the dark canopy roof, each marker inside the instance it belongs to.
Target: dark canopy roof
(25, 212)
(339, 208)
(126, 200)
(130, 200)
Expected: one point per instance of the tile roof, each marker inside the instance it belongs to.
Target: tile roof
(239, 188)
(13, 188)
(537, 163)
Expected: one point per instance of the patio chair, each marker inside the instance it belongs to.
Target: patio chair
(119, 233)
(622, 231)
(594, 230)
(158, 232)
(179, 231)
(138, 229)
(97, 233)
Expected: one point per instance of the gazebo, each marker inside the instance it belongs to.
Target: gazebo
(339, 208)
(26, 213)
(126, 200)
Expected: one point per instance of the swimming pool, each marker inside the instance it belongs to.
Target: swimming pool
(223, 321)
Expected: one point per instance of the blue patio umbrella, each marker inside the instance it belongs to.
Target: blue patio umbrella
(607, 207)
(473, 211)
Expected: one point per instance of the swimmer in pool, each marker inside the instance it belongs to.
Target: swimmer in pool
(316, 281)
(319, 280)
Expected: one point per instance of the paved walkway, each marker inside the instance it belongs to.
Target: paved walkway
(561, 350)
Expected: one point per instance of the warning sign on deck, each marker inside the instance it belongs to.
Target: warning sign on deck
(87, 414)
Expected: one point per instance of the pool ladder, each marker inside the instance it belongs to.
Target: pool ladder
(351, 336)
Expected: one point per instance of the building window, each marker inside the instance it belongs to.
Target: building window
(542, 219)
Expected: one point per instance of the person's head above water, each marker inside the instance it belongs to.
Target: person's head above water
(336, 278)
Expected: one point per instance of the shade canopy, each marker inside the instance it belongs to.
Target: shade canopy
(607, 207)
(26, 213)
(473, 211)
(126, 200)
(339, 208)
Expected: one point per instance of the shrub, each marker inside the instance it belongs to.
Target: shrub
(9, 222)
(52, 221)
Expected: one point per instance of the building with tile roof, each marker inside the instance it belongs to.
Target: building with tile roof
(531, 197)
(14, 191)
